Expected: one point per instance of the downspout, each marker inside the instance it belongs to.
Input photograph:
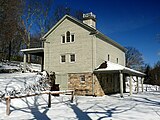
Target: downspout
(93, 64)
(42, 59)
(92, 69)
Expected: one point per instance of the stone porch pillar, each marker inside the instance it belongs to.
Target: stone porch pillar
(142, 80)
(121, 84)
(24, 62)
(130, 85)
(137, 84)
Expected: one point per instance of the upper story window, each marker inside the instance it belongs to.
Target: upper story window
(117, 60)
(108, 57)
(63, 38)
(72, 58)
(72, 38)
(63, 58)
(68, 37)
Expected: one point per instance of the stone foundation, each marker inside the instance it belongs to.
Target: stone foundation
(84, 87)
(104, 83)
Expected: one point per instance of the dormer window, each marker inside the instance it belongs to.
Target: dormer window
(68, 37)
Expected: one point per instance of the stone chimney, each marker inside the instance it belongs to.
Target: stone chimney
(90, 19)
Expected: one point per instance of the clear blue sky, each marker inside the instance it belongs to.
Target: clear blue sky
(134, 23)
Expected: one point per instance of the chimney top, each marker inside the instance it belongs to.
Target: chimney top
(90, 19)
(89, 16)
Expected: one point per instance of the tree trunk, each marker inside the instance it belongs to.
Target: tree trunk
(28, 46)
(9, 52)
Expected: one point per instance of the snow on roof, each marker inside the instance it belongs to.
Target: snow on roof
(117, 67)
(32, 49)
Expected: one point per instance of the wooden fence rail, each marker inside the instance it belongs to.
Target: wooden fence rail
(8, 98)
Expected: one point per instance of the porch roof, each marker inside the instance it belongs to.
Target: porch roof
(114, 68)
(34, 51)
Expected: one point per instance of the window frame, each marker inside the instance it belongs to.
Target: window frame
(108, 57)
(62, 58)
(82, 78)
(63, 36)
(71, 58)
(117, 60)
(72, 38)
(68, 37)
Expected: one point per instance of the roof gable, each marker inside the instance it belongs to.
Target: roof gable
(92, 31)
(71, 19)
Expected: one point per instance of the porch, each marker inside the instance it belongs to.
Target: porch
(118, 75)
(33, 51)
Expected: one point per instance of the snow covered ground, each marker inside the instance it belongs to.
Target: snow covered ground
(142, 106)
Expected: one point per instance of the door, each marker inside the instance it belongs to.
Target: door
(62, 80)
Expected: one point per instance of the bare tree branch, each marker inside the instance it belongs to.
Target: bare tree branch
(134, 58)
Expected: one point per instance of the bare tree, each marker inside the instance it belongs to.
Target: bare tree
(39, 16)
(79, 15)
(134, 58)
(147, 78)
(28, 19)
(60, 11)
(10, 11)
(44, 16)
(158, 39)
(154, 74)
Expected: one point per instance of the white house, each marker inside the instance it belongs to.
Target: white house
(76, 51)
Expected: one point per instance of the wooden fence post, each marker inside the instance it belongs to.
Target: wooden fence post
(72, 96)
(49, 100)
(8, 100)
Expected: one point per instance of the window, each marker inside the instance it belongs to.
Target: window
(108, 57)
(117, 60)
(72, 58)
(107, 80)
(72, 38)
(68, 36)
(82, 78)
(63, 38)
(63, 58)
